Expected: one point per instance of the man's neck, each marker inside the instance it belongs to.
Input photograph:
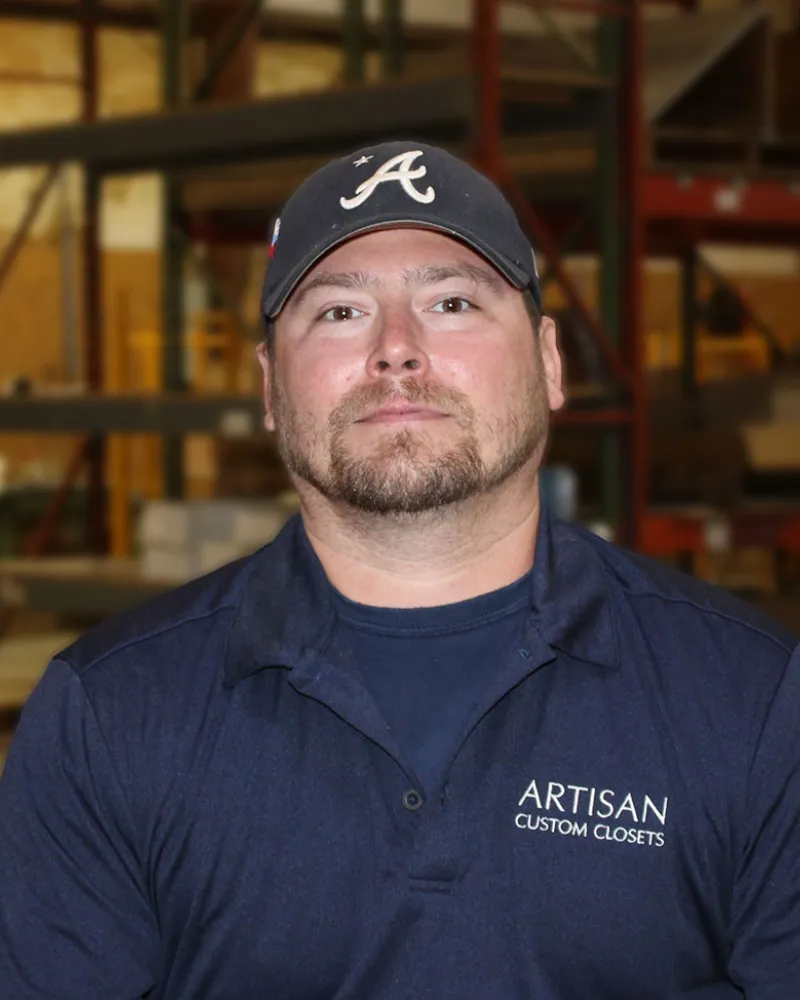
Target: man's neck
(430, 559)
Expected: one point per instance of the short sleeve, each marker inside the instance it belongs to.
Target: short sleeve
(75, 920)
(765, 925)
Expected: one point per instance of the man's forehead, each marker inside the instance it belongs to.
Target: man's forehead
(358, 263)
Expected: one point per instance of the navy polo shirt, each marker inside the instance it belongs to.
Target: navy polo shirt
(203, 803)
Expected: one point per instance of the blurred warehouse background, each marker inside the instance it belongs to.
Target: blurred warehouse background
(652, 150)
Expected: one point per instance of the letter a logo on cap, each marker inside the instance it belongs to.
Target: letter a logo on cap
(400, 169)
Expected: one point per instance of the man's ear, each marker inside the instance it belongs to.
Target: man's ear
(266, 387)
(551, 359)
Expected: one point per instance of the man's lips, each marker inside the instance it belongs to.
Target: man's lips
(399, 412)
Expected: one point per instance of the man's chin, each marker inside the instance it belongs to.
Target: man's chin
(386, 443)
(398, 503)
(403, 487)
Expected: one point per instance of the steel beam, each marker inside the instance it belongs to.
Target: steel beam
(544, 241)
(670, 238)
(146, 17)
(608, 196)
(689, 323)
(608, 191)
(487, 64)
(89, 61)
(39, 541)
(392, 37)
(99, 414)
(172, 298)
(135, 16)
(93, 354)
(353, 40)
(721, 200)
(331, 120)
(97, 514)
(20, 235)
(76, 594)
(572, 238)
(172, 36)
(180, 414)
(632, 122)
(225, 49)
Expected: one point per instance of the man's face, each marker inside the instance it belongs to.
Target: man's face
(406, 375)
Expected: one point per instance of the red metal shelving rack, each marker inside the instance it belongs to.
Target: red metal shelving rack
(622, 350)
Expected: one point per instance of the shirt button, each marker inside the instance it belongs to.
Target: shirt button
(412, 799)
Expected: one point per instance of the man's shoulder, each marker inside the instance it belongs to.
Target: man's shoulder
(661, 596)
(150, 631)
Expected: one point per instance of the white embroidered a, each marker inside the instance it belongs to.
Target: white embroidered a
(400, 169)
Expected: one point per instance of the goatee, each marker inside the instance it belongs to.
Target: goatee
(408, 471)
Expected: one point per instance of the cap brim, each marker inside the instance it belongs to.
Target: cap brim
(278, 297)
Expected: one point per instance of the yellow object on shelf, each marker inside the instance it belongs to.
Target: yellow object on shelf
(662, 349)
(213, 355)
(729, 357)
(717, 357)
(214, 352)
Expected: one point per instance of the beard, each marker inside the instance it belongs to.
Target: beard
(407, 471)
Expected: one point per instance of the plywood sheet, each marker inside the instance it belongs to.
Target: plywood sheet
(680, 50)
(772, 446)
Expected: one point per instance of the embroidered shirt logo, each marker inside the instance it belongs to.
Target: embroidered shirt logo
(399, 169)
(601, 813)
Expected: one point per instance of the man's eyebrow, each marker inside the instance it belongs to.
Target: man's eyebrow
(434, 274)
(334, 279)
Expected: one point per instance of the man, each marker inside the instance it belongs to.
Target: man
(430, 743)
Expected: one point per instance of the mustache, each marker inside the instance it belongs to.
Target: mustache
(366, 398)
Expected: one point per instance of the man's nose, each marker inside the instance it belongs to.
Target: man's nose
(399, 348)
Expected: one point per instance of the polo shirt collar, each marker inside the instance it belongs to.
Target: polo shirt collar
(570, 593)
(285, 615)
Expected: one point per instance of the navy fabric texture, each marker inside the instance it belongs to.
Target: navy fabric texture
(427, 667)
(203, 802)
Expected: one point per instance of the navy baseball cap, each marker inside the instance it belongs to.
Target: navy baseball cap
(389, 185)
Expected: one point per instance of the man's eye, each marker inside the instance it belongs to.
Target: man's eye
(453, 304)
(338, 314)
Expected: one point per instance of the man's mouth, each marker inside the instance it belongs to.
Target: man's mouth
(401, 412)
